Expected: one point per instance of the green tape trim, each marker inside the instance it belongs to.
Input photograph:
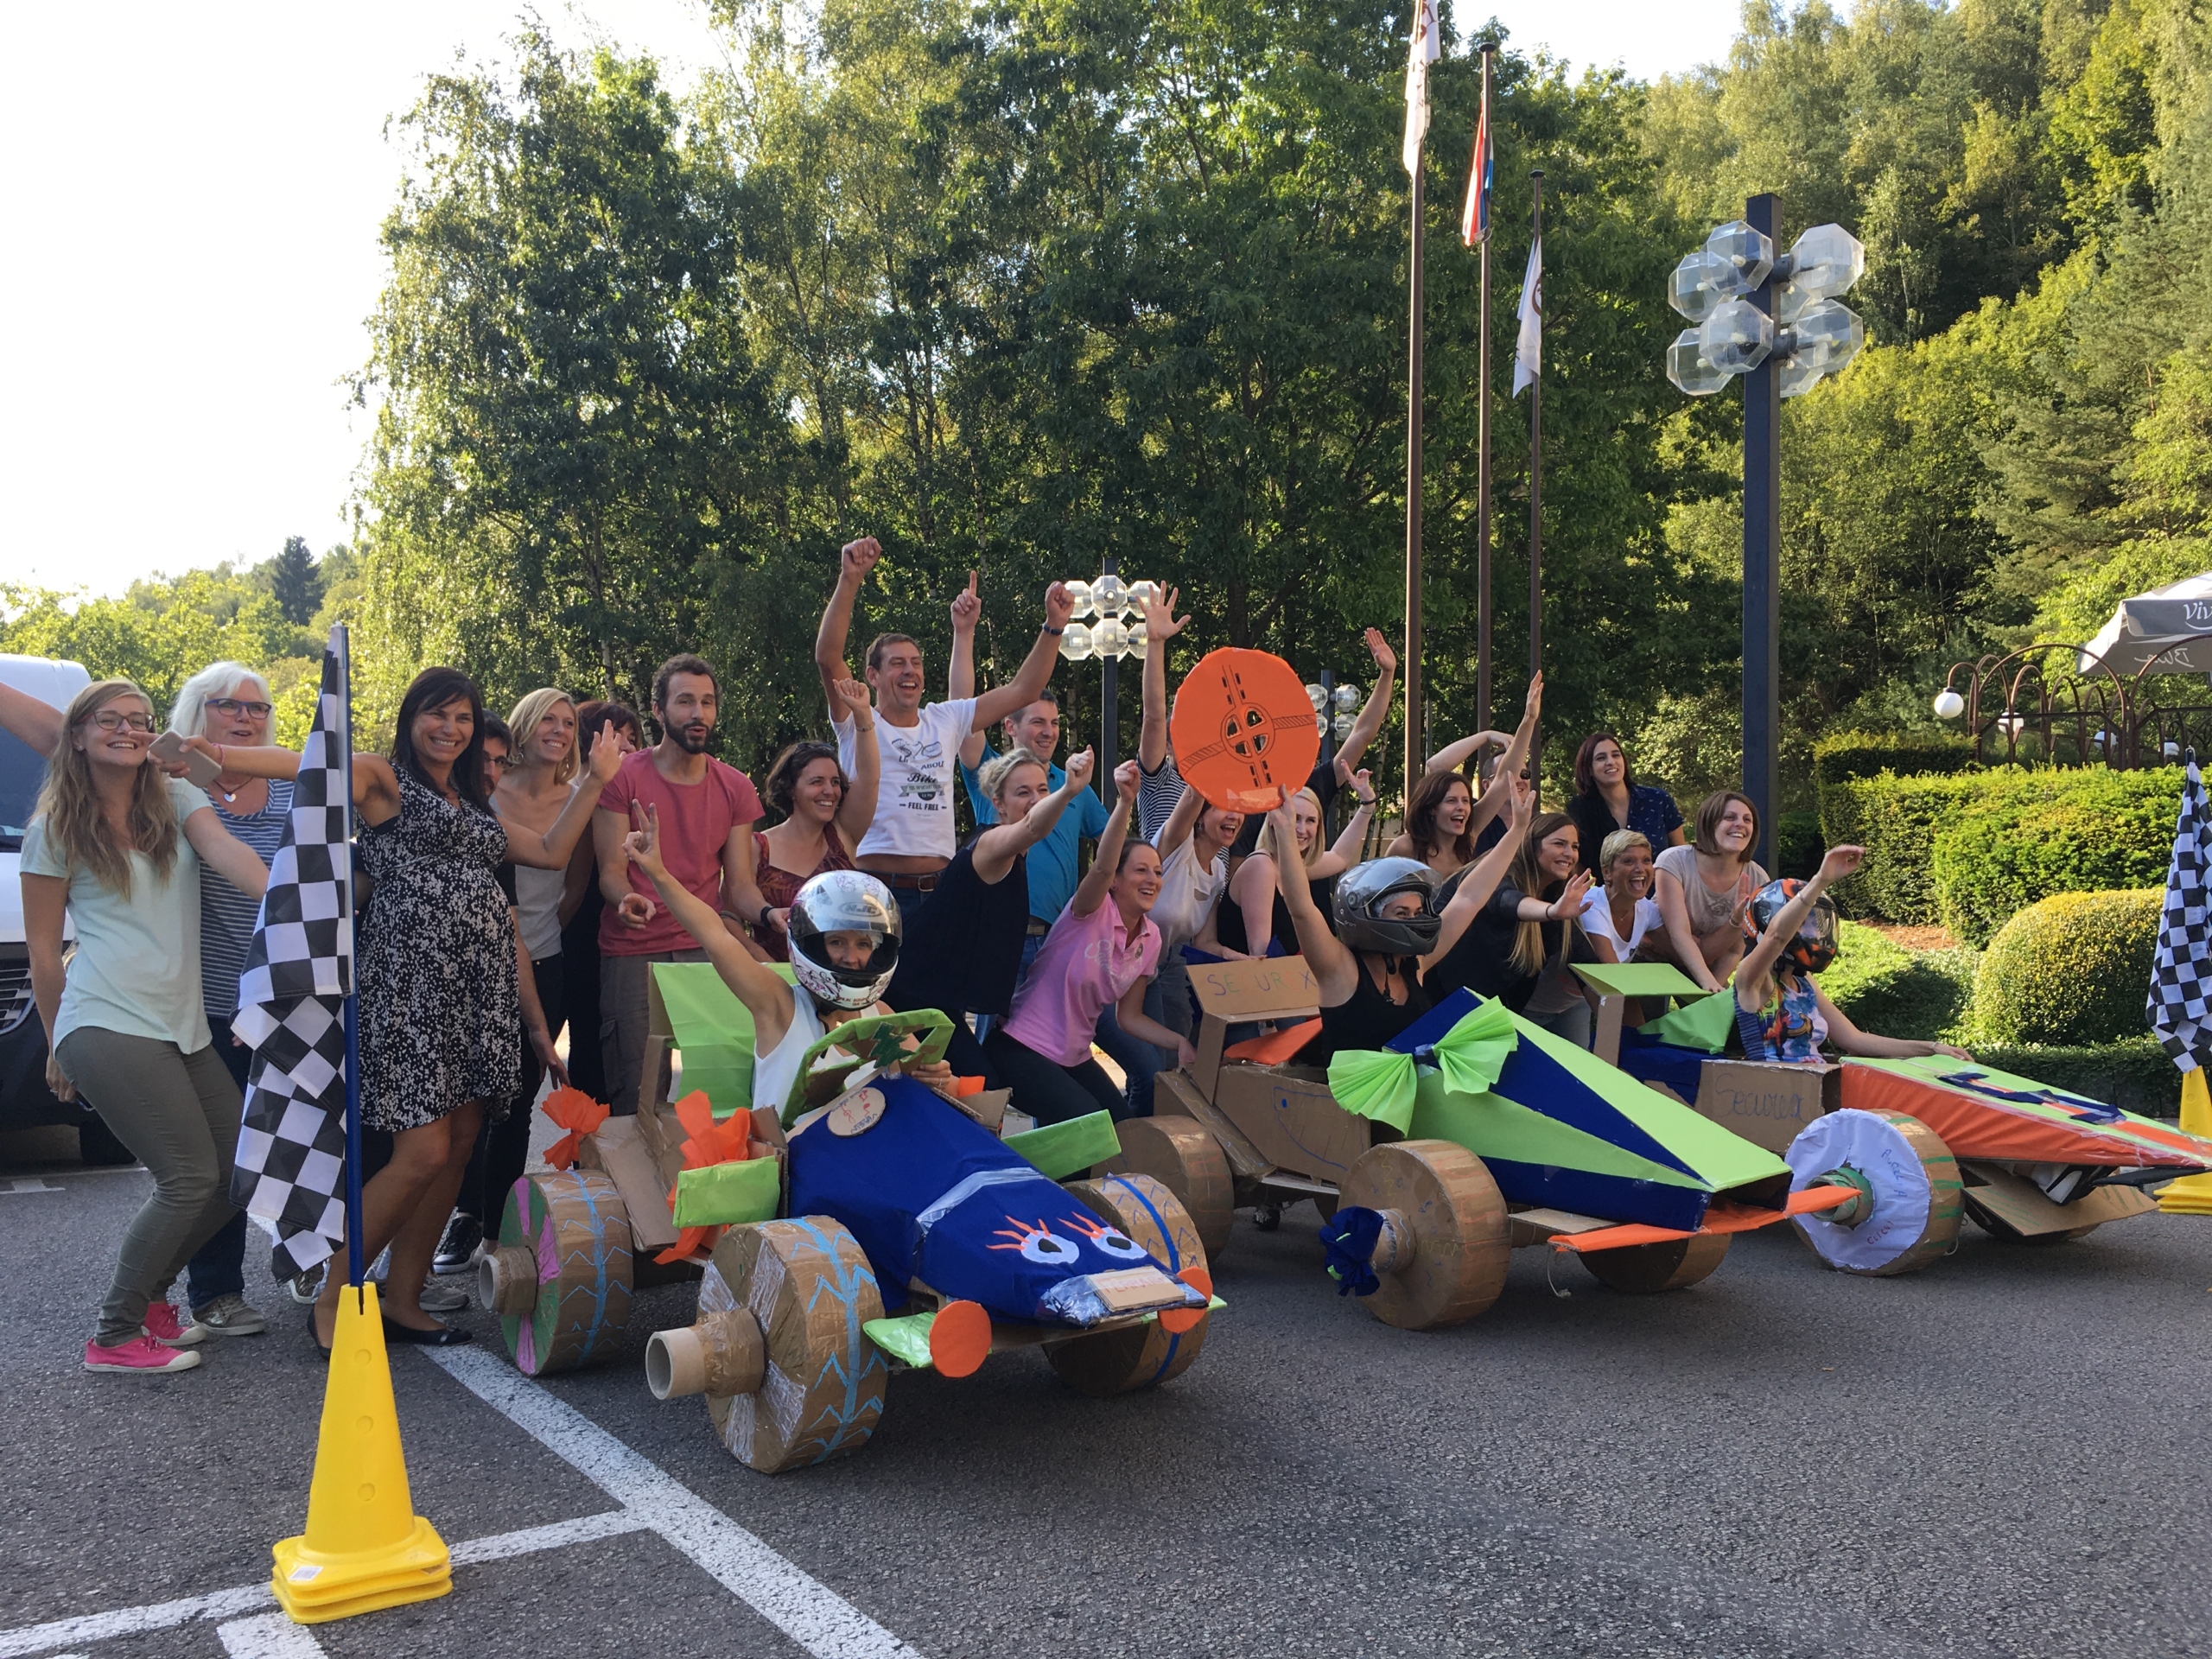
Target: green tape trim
(905, 1338)
(1491, 1125)
(1059, 1150)
(723, 1195)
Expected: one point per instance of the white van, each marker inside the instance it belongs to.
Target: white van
(25, 1101)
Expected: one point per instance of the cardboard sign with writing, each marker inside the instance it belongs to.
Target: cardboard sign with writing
(1767, 1104)
(1255, 990)
(1293, 1121)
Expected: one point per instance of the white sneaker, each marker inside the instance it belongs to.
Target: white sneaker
(447, 1295)
(230, 1316)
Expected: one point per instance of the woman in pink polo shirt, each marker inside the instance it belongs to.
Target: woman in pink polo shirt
(1101, 953)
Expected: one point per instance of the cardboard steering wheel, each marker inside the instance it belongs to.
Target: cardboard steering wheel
(817, 1083)
(1244, 730)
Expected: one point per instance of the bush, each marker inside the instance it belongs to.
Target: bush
(1841, 756)
(1896, 820)
(2024, 835)
(1798, 845)
(1893, 991)
(2071, 970)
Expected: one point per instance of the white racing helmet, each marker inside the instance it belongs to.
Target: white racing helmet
(844, 901)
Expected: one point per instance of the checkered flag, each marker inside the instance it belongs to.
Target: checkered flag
(2180, 1006)
(291, 1163)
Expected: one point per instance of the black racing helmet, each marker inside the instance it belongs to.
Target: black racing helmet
(1815, 947)
(1361, 893)
(844, 901)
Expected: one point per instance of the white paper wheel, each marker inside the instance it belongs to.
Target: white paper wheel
(1917, 1195)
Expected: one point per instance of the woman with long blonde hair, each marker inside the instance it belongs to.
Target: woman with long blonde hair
(116, 848)
(1520, 944)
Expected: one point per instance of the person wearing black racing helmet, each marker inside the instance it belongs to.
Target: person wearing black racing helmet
(1790, 930)
(844, 933)
(1367, 972)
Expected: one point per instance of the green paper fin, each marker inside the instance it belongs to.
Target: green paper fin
(1704, 1024)
(1059, 1150)
(905, 1338)
(1639, 978)
(723, 1195)
(712, 1031)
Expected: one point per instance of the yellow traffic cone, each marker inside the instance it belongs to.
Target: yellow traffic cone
(2192, 1194)
(365, 1547)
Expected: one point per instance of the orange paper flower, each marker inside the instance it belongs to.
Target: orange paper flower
(577, 1112)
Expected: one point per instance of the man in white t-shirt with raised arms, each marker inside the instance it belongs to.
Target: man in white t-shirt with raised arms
(913, 837)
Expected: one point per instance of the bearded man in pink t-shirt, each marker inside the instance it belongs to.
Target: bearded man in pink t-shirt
(707, 812)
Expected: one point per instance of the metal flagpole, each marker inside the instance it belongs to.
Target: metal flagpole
(356, 1269)
(1762, 564)
(1481, 444)
(1415, 753)
(1536, 501)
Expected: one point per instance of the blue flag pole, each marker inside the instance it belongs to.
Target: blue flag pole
(356, 1269)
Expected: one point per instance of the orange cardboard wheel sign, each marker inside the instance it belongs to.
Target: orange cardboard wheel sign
(1244, 730)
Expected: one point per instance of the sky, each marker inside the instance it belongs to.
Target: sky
(196, 194)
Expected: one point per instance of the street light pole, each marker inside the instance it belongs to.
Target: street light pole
(1763, 562)
(1107, 710)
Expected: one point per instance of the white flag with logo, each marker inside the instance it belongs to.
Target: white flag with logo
(1425, 52)
(1528, 351)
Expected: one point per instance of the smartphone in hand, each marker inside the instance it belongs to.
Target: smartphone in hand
(168, 749)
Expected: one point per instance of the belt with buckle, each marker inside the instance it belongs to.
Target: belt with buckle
(1038, 930)
(912, 883)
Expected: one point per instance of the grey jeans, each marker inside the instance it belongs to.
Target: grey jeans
(624, 1016)
(179, 1115)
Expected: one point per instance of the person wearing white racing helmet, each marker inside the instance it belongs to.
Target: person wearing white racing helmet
(844, 934)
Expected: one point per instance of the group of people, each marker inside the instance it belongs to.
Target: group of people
(521, 877)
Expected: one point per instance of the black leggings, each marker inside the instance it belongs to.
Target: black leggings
(1048, 1091)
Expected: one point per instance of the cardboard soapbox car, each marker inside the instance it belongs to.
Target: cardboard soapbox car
(876, 1226)
(2022, 1160)
(1475, 1133)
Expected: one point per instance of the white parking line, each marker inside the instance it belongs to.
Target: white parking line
(270, 1636)
(810, 1612)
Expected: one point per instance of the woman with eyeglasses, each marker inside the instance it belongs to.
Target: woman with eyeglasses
(120, 849)
(227, 704)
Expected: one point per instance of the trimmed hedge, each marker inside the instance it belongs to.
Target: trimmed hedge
(1896, 820)
(2020, 835)
(2068, 970)
(2026, 835)
(1842, 756)
(1893, 991)
(1798, 845)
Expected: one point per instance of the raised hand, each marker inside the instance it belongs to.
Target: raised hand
(606, 757)
(1379, 648)
(1126, 776)
(966, 607)
(1569, 903)
(1362, 788)
(858, 558)
(1059, 606)
(1161, 621)
(1520, 805)
(1534, 705)
(854, 695)
(643, 842)
(1841, 861)
(1078, 769)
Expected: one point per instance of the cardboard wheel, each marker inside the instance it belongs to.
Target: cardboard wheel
(1184, 1158)
(1460, 1242)
(1138, 1356)
(572, 1228)
(1918, 1197)
(809, 1284)
(1998, 1228)
(1642, 1269)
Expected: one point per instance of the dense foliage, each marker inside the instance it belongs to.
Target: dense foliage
(2069, 971)
(1021, 287)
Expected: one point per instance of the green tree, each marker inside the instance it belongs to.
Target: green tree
(295, 582)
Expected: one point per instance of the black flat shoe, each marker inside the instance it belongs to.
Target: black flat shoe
(438, 1336)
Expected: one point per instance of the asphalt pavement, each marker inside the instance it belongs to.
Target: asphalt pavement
(2004, 1455)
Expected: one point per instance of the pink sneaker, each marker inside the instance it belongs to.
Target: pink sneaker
(141, 1354)
(162, 1325)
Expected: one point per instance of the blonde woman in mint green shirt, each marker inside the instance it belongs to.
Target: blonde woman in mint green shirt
(116, 847)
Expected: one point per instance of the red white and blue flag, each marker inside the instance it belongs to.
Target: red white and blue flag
(1474, 218)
